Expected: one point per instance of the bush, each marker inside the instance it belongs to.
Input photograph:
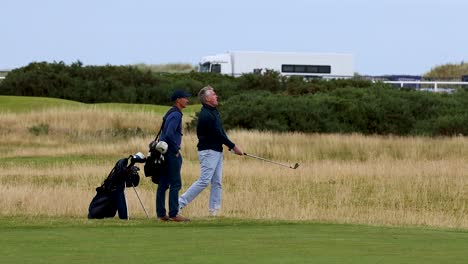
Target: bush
(377, 110)
(266, 101)
(39, 129)
(268, 81)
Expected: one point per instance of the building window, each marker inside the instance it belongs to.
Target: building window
(205, 67)
(312, 69)
(216, 68)
(324, 69)
(287, 68)
(305, 68)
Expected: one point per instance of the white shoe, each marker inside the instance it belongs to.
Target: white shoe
(213, 212)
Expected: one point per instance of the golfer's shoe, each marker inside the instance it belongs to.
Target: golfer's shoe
(163, 218)
(213, 212)
(179, 218)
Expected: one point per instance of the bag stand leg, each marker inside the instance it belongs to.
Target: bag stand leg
(126, 204)
(144, 209)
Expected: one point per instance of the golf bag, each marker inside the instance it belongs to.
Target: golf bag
(155, 164)
(110, 196)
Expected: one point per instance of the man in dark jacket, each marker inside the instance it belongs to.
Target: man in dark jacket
(170, 179)
(211, 138)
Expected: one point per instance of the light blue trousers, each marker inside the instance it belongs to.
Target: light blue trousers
(211, 172)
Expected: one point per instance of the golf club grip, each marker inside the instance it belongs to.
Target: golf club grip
(243, 153)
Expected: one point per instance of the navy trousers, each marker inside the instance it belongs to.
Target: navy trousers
(171, 180)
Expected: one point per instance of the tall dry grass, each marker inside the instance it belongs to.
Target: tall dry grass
(341, 178)
(170, 67)
(449, 71)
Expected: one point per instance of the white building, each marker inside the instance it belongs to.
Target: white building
(317, 65)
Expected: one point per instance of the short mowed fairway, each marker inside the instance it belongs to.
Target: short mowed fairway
(62, 240)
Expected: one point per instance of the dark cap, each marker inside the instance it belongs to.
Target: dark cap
(179, 94)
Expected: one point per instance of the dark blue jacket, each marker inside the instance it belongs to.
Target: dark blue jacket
(210, 131)
(172, 130)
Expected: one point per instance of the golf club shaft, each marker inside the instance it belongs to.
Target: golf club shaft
(144, 209)
(275, 162)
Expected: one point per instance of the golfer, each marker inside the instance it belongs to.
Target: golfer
(211, 138)
(172, 134)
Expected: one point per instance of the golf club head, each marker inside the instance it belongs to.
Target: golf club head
(295, 166)
(138, 157)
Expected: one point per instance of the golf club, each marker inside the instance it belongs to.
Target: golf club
(271, 161)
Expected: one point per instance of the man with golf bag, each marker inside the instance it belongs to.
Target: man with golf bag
(211, 138)
(171, 133)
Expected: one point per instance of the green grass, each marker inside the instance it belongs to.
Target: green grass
(43, 240)
(19, 104)
(161, 109)
(78, 240)
(27, 103)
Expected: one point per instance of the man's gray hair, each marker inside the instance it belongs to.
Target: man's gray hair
(203, 93)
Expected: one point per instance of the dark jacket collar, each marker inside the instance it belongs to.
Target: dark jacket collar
(176, 109)
(209, 107)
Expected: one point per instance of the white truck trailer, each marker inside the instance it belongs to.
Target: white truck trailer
(309, 65)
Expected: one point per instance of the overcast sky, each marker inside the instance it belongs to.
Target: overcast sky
(385, 37)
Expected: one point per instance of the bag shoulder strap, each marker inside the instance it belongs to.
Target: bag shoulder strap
(173, 109)
(113, 177)
(160, 129)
